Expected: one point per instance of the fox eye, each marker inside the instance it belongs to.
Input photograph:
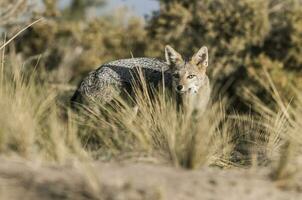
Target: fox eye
(176, 75)
(191, 76)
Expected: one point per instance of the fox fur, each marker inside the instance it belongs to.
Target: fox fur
(187, 79)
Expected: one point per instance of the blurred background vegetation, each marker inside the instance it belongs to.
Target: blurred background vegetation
(250, 41)
(243, 37)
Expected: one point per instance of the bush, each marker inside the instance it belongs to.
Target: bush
(242, 36)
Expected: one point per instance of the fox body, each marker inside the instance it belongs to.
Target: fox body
(187, 79)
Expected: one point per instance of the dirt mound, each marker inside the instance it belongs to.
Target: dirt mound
(109, 181)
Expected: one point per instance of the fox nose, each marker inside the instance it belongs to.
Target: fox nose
(179, 87)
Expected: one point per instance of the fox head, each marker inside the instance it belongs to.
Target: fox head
(187, 76)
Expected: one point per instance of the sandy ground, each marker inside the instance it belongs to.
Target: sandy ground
(111, 181)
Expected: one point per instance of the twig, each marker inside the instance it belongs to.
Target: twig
(21, 31)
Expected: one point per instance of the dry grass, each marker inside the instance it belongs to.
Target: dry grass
(154, 127)
(37, 125)
(34, 126)
(30, 122)
(282, 122)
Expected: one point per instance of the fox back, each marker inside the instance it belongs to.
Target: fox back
(117, 77)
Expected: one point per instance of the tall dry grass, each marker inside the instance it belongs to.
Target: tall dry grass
(153, 128)
(30, 122)
(282, 121)
(35, 125)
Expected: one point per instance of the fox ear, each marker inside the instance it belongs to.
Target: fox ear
(172, 57)
(201, 58)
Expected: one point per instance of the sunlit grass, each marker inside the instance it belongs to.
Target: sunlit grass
(150, 127)
(30, 120)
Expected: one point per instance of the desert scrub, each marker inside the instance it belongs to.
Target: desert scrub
(30, 123)
(246, 36)
(33, 126)
(151, 126)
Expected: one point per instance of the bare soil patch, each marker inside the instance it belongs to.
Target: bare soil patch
(112, 181)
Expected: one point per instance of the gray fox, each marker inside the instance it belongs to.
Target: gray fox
(187, 79)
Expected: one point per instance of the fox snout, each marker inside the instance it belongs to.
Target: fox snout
(191, 88)
(179, 88)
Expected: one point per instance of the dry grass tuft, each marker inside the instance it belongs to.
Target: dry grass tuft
(148, 127)
(153, 126)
